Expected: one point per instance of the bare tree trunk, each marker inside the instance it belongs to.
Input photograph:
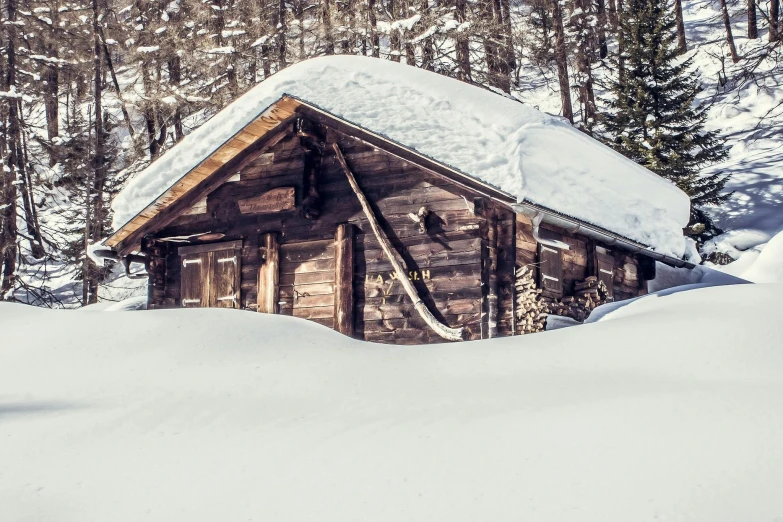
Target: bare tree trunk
(410, 52)
(729, 36)
(282, 30)
(510, 57)
(489, 41)
(326, 15)
(95, 232)
(375, 42)
(620, 58)
(774, 20)
(427, 49)
(28, 200)
(463, 45)
(8, 190)
(562, 62)
(613, 14)
(753, 30)
(394, 36)
(600, 9)
(584, 59)
(682, 45)
(502, 66)
(149, 113)
(110, 65)
(51, 103)
(175, 77)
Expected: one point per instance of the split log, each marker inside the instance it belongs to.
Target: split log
(269, 274)
(451, 334)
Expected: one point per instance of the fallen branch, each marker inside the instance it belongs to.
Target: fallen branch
(452, 334)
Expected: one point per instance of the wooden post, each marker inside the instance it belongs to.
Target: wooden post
(492, 275)
(343, 279)
(269, 274)
(156, 279)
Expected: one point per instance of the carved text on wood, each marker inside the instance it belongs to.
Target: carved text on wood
(275, 200)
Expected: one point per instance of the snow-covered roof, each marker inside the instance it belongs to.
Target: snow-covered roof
(532, 156)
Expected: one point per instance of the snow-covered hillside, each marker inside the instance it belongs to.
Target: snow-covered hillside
(668, 411)
(746, 111)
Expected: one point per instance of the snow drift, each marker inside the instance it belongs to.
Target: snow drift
(672, 413)
(533, 156)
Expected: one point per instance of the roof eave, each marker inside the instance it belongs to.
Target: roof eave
(574, 225)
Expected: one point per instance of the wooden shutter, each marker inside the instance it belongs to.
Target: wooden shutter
(194, 281)
(550, 270)
(604, 267)
(224, 278)
(211, 274)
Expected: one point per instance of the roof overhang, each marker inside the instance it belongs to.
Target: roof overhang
(254, 136)
(265, 130)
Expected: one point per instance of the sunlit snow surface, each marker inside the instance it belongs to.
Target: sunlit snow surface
(529, 154)
(669, 411)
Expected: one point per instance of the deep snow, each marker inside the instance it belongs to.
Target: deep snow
(669, 411)
(529, 154)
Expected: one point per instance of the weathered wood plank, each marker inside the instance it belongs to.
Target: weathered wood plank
(306, 278)
(209, 247)
(343, 280)
(287, 290)
(301, 298)
(394, 307)
(275, 200)
(319, 312)
(269, 274)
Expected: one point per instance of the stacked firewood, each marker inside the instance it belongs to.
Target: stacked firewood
(588, 294)
(531, 309)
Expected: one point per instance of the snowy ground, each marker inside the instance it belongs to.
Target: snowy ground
(669, 409)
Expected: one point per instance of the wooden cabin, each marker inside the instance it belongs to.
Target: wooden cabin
(296, 215)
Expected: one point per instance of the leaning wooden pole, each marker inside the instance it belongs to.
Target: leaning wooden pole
(451, 334)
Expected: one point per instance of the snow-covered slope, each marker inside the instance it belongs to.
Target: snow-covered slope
(744, 107)
(671, 412)
(524, 152)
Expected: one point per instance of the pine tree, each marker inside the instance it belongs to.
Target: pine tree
(652, 118)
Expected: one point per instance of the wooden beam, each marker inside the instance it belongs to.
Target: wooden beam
(445, 331)
(209, 247)
(343, 279)
(492, 274)
(269, 274)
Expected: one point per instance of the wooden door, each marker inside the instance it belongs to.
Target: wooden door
(224, 279)
(210, 275)
(604, 264)
(194, 287)
(550, 271)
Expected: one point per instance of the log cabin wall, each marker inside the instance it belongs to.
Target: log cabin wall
(446, 262)
(578, 262)
(462, 265)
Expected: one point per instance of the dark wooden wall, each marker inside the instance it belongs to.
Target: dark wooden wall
(445, 262)
(576, 265)
(467, 239)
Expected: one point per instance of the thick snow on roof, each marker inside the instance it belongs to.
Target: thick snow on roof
(531, 155)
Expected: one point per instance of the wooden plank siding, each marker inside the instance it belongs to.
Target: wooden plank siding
(446, 263)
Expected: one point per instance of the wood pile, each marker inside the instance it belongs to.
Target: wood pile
(531, 309)
(588, 294)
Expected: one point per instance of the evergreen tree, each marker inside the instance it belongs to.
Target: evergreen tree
(652, 118)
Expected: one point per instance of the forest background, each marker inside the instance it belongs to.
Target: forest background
(93, 92)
